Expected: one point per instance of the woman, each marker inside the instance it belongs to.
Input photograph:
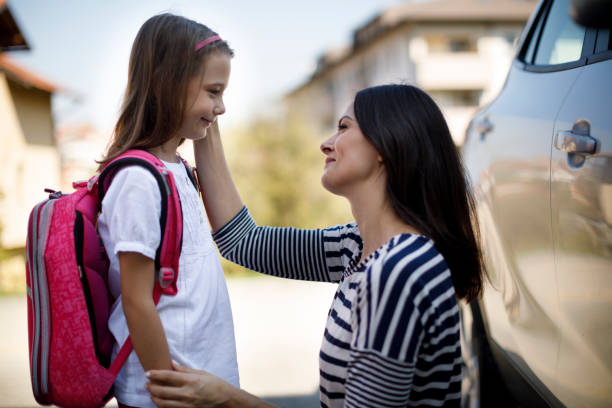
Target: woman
(392, 336)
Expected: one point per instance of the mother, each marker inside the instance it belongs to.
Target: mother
(392, 335)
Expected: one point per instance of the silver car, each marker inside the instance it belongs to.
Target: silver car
(540, 160)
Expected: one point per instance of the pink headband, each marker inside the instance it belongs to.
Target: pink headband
(207, 41)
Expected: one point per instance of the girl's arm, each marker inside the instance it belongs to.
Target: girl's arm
(146, 331)
(318, 255)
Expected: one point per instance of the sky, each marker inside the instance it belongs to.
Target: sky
(83, 46)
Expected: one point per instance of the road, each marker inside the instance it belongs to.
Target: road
(279, 324)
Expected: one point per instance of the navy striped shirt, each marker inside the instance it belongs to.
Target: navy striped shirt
(392, 335)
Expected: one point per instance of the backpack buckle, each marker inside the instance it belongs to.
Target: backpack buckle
(166, 277)
(92, 182)
(53, 194)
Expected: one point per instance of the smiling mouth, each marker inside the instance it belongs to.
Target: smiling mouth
(207, 122)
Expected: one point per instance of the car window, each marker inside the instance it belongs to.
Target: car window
(604, 40)
(561, 39)
(528, 57)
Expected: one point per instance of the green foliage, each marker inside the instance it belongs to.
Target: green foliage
(277, 167)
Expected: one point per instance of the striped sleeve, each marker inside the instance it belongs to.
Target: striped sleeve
(315, 255)
(342, 245)
(395, 303)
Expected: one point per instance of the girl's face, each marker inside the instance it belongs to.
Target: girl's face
(205, 97)
(350, 158)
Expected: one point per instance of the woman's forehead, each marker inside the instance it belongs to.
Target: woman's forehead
(349, 112)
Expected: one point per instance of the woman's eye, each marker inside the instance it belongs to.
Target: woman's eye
(214, 92)
(342, 126)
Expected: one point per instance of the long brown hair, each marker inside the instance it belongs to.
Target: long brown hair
(162, 61)
(426, 184)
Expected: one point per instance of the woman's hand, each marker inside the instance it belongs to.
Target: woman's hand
(213, 129)
(186, 387)
(220, 196)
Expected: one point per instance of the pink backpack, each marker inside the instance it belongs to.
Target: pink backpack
(68, 298)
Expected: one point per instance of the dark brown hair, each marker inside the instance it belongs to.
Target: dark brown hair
(162, 61)
(426, 184)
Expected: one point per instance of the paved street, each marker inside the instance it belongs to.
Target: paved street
(279, 324)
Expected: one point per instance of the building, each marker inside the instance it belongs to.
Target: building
(457, 50)
(29, 154)
(80, 146)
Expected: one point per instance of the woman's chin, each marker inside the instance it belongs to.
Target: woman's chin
(329, 185)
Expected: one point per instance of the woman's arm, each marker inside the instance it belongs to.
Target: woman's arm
(186, 387)
(146, 331)
(283, 252)
(318, 255)
(219, 192)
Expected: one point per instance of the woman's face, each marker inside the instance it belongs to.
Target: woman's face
(205, 97)
(351, 160)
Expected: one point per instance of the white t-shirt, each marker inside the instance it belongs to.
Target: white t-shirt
(198, 320)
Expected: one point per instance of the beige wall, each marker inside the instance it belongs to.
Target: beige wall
(33, 109)
(29, 157)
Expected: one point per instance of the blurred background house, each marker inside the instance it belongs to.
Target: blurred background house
(26, 129)
(80, 145)
(456, 50)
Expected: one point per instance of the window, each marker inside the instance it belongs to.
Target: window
(461, 45)
(561, 39)
(604, 40)
(445, 43)
(529, 53)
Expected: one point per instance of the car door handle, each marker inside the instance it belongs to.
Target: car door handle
(578, 140)
(484, 126)
(573, 143)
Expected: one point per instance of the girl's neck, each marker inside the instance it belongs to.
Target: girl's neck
(377, 221)
(166, 151)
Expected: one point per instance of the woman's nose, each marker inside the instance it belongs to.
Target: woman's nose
(328, 145)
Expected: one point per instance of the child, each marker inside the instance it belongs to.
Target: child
(178, 72)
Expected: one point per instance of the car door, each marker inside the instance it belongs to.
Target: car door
(508, 157)
(581, 194)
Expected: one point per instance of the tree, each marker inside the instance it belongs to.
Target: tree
(277, 167)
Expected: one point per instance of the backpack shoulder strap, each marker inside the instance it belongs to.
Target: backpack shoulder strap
(171, 220)
(191, 172)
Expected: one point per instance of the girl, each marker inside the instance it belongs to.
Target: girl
(178, 72)
(392, 335)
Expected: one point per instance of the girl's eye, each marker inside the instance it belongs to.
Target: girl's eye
(341, 126)
(214, 92)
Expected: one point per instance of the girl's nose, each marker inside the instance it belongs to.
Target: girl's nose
(220, 108)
